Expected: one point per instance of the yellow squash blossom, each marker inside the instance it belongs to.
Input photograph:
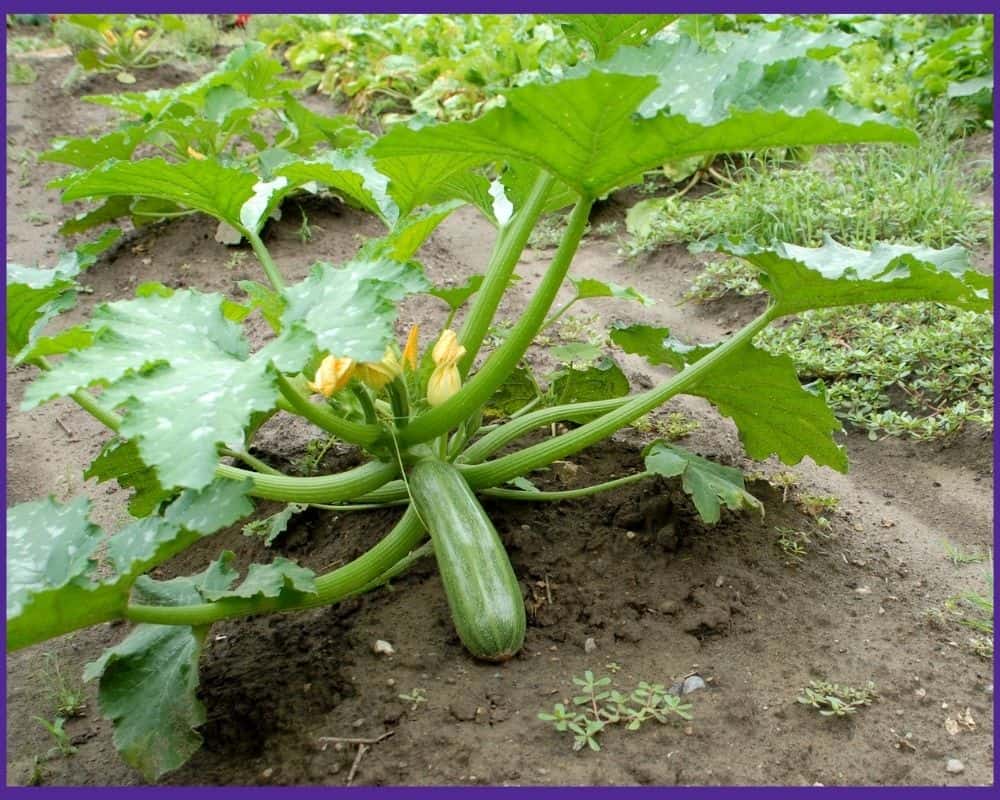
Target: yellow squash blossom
(139, 37)
(376, 374)
(333, 375)
(445, 381)
(195, 154)
(110, 37)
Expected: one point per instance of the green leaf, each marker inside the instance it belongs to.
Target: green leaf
(602, 129)
(205, 186)
(350, 175)
(207, 510)
(457, 296)
(523, 484)
(85, 153)
(408, 234)
(35, 296)
(48, 546)
(183, 372)
(148, 687)
(656, 345)
(351, 309)
(270, 302)
(310, 129)
(607, 32)
(279, 578)
(270, 528)
(774, 413)
(110, 209)
(802, 278)
(518, 389)
(120, 461)
(601, 381)
(710, 485)
(591, 287)
(576, 352)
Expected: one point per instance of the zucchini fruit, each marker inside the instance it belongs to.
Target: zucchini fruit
(482, 590)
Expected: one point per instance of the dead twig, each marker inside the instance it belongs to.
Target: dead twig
(69, 433)
(362, 749)
(325, 740)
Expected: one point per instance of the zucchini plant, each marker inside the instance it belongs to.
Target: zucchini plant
(174, 378)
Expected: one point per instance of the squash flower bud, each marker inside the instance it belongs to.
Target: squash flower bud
(445, 380)
(333, 375)
(376, 374)
(138, 37)
(410, 351)
(195, 154)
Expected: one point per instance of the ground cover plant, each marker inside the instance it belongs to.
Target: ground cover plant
(184, 394)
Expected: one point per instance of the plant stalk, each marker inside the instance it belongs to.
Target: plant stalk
(321, 416)
(264, 257)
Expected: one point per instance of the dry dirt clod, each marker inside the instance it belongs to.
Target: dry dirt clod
(954, 766)
(589, 646)
(383, 648)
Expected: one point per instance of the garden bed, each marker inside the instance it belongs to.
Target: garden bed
(630, 578)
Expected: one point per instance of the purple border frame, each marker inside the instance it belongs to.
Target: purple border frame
(506, 6)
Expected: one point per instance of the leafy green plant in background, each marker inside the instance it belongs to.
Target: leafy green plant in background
(834, 700)
(184, 393)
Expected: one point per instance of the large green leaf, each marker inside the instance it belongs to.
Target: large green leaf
(279, 578)
(351, 309)
(86, 152)
(802, 278)
(204, 185)
(54, 584)
(352, 175)
(35, 295)
(774, 413)
(120, 461)
(710, 485)
(409, 233)
(603, 128)
(148, 687)
(587, 288)
(601, 380)
(656, 345)
(607, 32)
(184, 373)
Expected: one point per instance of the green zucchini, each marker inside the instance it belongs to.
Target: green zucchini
(480, 585)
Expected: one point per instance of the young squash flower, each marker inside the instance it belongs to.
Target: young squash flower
(195, 154)
(445, 381)
(333, 375)
(110, 37)
(410, 351)
(376, 374)
(139, 37)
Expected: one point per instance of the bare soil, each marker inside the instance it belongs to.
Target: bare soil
(661, 595)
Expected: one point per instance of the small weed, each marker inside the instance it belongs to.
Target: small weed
(417, 697)
(672, 427)
(598, 706)
(57, 731)
(958, 557)
(316, 451)
(816, 505)
(981, 646)
(21, 73)
(38, 218)
(305, 229)
(794, 544)
(833, 700)
(719, 278)
(68, 696)
(613, 667)
(972, 610)
(236, 259)
(37, 777)
(548, 232)
(606, 230)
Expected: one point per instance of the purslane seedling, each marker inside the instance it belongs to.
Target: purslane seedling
(184, 393)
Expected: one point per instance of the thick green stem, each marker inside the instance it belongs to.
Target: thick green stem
(323, 417)
(568, 494)
(516, 428)
(250, 461)
(351, 579)
(320, 489)
(498, 366)
(510, 243)
(365, 401)
(264, 257)
(523, 461)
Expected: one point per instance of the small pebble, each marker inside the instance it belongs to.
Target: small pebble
(267, 773)
(989, 689)
(692, 684)
(590, 645)
(383, 648)
(954, 766)
(720, 582)
(863, 590)
(668, 607)
(358, 723)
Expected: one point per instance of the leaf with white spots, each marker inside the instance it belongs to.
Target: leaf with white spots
(183, 373)
(280, 577)
(351, 309)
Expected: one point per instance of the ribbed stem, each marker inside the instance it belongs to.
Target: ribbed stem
(350, 579)
(499, 365)
(264, 257)
(320, 489)
(543, 453)
(510, 243)
(568, 494)
(323, 417)
(516, 428)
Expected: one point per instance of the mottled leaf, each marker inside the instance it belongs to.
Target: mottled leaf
(591, 287)
(607, 32)
(351, 309)
(457, 296)
(120, 461)
(351, 175)
(270, 528)
(802, 278)
(656, 345)
(600, 381)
